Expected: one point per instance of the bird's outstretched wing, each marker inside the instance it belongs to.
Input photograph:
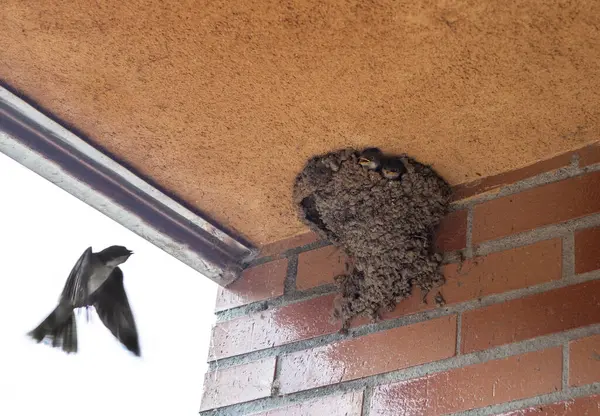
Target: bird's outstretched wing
(76, 287)
(111, 303)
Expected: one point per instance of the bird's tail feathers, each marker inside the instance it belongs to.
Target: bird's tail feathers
(63, 333)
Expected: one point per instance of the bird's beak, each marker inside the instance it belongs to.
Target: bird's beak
(363, 161)
(130, 252)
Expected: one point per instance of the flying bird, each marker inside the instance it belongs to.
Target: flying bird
(370, 158)
(96, 280)
(392, 168)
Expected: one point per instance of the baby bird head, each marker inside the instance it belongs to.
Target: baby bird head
(392, 168)
(370, 158)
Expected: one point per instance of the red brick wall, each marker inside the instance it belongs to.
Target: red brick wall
(519, 335)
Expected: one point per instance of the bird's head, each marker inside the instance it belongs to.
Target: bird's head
(392, 168)
(115, 255)
(370, 158)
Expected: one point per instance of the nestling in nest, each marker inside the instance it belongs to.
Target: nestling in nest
(383, 211)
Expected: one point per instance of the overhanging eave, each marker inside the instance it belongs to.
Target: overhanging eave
(43, 146)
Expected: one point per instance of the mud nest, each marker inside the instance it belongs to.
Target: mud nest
(386, 227)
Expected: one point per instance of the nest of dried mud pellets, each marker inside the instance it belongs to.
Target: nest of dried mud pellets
(386, 227)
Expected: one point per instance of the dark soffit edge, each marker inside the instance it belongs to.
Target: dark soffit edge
(53, 152)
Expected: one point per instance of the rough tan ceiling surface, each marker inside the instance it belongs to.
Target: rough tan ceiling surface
(222, 102)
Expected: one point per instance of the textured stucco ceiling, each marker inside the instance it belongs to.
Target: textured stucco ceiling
(222, 102)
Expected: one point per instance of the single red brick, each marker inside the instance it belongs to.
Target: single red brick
(472, 387)
(238, 384)
(281, 246)
(452, 232)
(376, 353)
(484, 185)
(587, 250)
(320, 266)
(589, 154)
(261, 282)
(347, 404)
(581, 406)
(537, 207)
(273, 327)
(584, 362)
(503, 271)
(533, 316)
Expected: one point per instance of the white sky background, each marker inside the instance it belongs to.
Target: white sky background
(43, 231)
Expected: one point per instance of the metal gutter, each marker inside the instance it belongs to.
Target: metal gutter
(40, 144)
